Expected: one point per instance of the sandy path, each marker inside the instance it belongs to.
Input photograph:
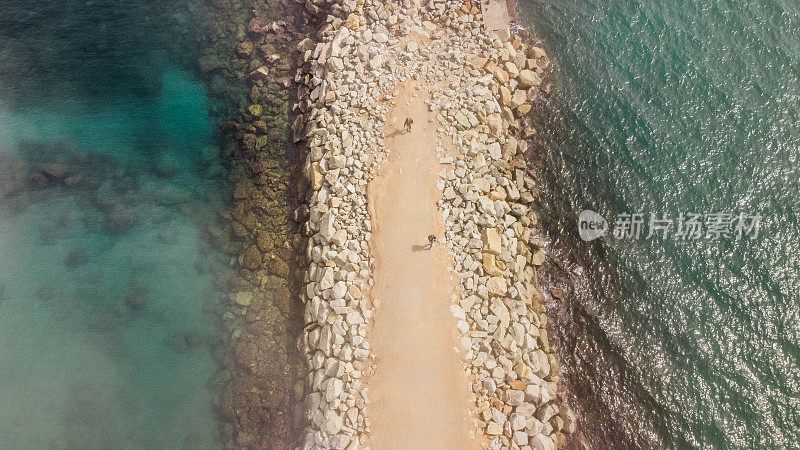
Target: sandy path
(419, 392)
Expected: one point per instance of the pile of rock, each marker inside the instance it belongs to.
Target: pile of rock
(480, 85)
(487, 199)
(343, 76)
(249, 83)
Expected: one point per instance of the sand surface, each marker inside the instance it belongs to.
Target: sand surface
(419, 393)
(497, 13)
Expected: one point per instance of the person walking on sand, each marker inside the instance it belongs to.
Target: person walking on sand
(409, 121)
(431, 241)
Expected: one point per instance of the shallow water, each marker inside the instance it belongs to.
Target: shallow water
(107, 276)
(669, 108)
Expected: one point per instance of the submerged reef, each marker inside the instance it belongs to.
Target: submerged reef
(249, 70)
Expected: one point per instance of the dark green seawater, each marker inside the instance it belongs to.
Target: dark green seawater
(107, 278)
(670, 107)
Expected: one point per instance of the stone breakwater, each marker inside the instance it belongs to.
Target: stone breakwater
(478, 87)
(248, 70)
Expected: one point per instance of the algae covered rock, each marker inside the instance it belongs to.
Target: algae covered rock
(242, 298)
(256, 110)
(244, 48)
(252, 258)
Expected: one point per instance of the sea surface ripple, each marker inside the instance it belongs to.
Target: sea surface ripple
(668, 108)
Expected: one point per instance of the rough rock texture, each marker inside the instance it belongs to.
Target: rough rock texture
(481, 84)
(259, 361)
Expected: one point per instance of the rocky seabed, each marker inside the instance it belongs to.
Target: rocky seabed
(480, 85)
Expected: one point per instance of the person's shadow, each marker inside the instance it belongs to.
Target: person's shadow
(396, 132)
(419, 248)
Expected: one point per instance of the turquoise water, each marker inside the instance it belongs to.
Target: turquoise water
(667, 108)
(108, 281)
